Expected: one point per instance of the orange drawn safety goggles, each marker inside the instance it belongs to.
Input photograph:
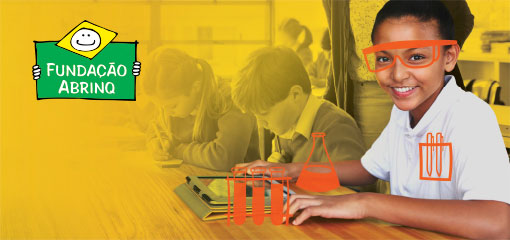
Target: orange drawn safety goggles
(417, 54)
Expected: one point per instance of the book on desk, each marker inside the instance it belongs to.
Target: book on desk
(208, 198)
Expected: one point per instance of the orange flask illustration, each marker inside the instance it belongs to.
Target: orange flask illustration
(317, 177)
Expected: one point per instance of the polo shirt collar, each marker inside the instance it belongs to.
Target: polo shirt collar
(446, 97)
(306, 119)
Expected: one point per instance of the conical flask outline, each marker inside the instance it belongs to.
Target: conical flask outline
(318, 177)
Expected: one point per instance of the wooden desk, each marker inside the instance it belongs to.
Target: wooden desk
(123, 195)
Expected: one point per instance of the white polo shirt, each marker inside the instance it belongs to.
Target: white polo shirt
(480, 169)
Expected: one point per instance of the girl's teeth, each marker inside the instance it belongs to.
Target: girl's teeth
(404, 89)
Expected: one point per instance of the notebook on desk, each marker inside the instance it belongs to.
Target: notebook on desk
(202, 209)
(208, 197)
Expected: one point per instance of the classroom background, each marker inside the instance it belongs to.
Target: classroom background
(56, 155)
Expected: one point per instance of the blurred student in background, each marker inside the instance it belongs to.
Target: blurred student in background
(298, 38)
(318, 70)
(196, 121)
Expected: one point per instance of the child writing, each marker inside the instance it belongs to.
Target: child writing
(470, 197)
(275, 87)
(196, 121)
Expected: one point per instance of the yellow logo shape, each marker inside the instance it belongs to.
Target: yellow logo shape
(87, 39)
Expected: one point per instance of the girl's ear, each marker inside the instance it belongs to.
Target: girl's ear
(451, 54)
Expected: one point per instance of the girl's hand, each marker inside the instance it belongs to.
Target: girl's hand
(36, 72)
(351, 206)
(136, 68)
(159, 152)
(291, 169)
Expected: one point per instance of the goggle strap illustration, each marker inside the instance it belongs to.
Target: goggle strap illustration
(407, 44)
(438, 54)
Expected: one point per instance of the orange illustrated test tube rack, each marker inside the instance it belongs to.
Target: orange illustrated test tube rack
(237, 207)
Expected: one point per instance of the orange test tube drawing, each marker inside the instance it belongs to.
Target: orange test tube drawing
(239, 195)
(276, 196)
(258, 199)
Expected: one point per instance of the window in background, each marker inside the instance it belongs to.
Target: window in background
(221, 32)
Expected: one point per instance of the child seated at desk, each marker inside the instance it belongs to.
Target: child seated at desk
(469, 194)
(275, 87)
(197, 121)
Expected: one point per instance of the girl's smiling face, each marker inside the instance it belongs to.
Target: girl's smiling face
(413, 89)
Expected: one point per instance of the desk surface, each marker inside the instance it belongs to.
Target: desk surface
(121, 194)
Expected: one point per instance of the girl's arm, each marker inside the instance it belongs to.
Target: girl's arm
(350, 173)
(467, 218)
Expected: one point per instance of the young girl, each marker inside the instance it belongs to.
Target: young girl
(442, 149)
(297, 37)
(196, 121)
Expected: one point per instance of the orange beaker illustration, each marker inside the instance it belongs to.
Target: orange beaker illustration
(317, 177)
(258, 195)
(435, 150)
(239, 194)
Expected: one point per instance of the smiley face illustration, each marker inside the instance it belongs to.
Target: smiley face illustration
(85, 40)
